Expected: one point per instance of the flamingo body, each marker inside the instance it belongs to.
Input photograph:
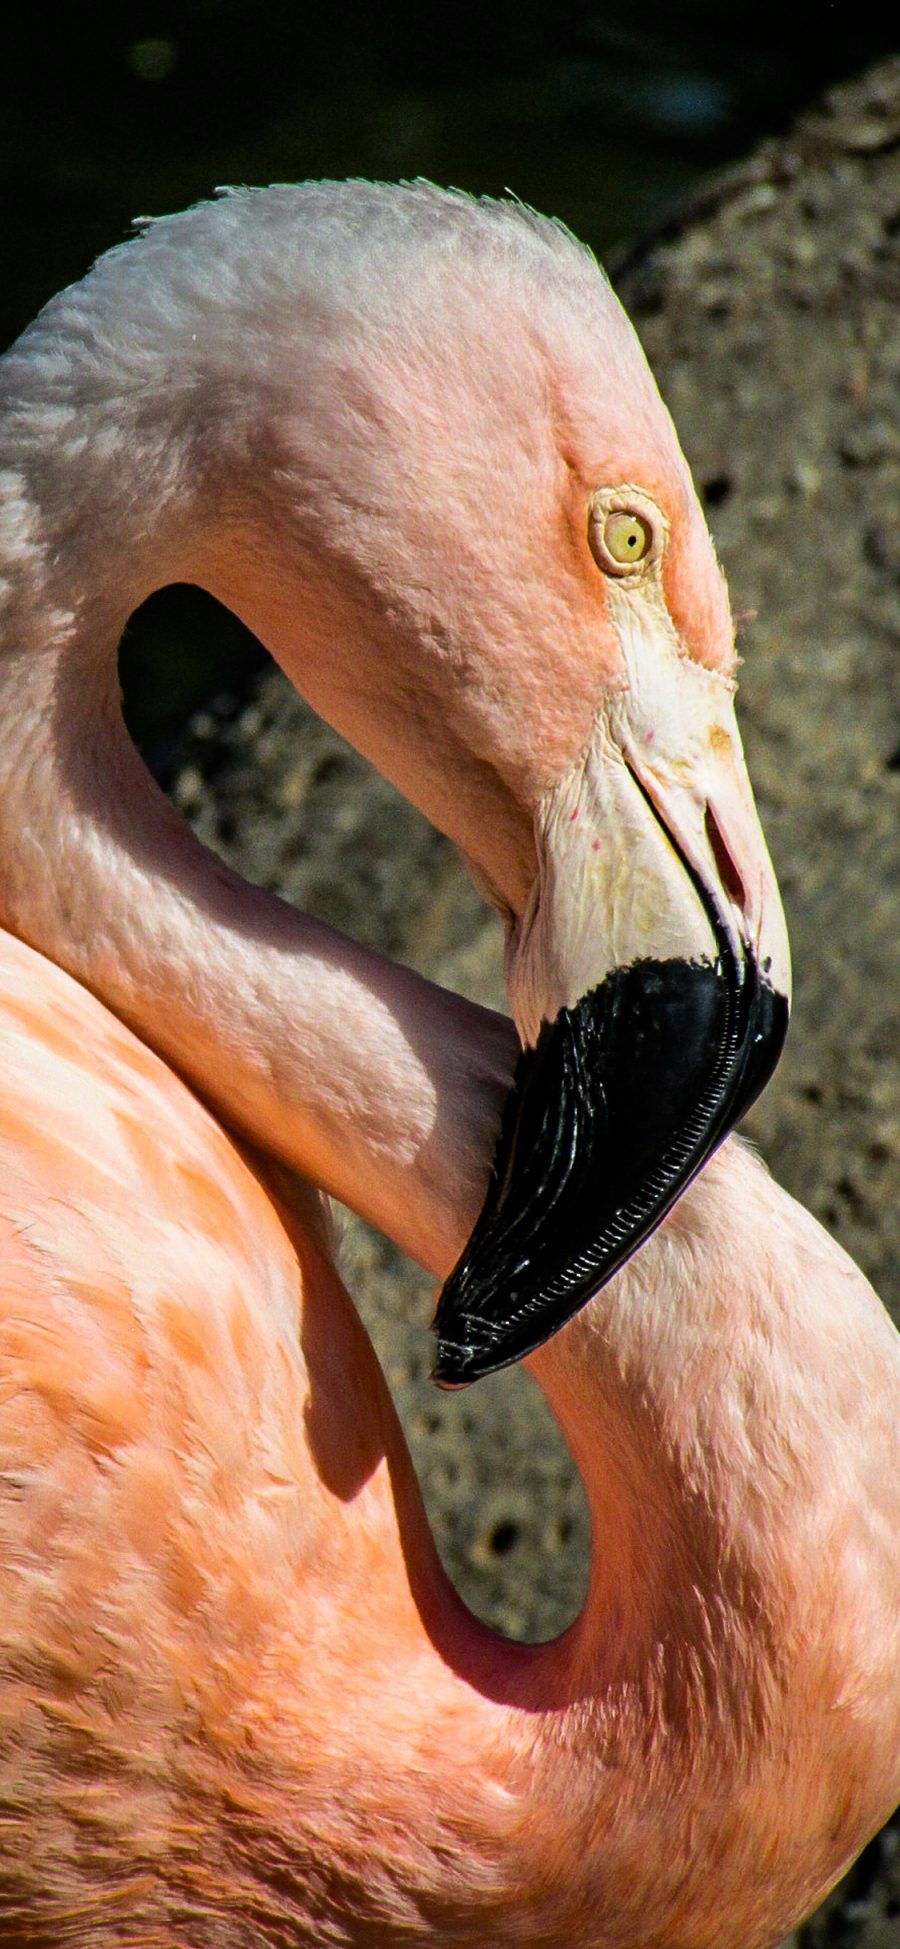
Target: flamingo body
(156, 1414)
(239, 1702)
(202, 1472)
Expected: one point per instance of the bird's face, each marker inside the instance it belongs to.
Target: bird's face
(649, 969)
(548, 671)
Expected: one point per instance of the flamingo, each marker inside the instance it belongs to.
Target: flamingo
(412, 440)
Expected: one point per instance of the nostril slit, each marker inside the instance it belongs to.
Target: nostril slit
(727, 871)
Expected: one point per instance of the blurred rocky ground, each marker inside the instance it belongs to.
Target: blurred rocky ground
(769, 312)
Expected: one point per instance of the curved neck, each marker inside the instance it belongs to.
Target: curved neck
(697, 1393)
(379, 1086)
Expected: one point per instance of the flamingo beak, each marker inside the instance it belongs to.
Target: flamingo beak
(650, 981)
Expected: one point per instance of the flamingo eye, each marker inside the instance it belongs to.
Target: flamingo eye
(627, 537)
(626, 530)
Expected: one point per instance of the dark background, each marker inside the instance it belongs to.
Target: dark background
(603, 114)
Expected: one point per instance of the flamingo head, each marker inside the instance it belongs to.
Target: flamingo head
(486, 498)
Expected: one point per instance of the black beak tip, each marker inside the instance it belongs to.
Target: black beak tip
(458, 1367)
(610, 1116)
(448, 1372)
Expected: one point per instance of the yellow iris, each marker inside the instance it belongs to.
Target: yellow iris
(626, 536)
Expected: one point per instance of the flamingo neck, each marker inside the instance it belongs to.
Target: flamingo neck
(704, 1395)
(697, 1695)
(378, 1086)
